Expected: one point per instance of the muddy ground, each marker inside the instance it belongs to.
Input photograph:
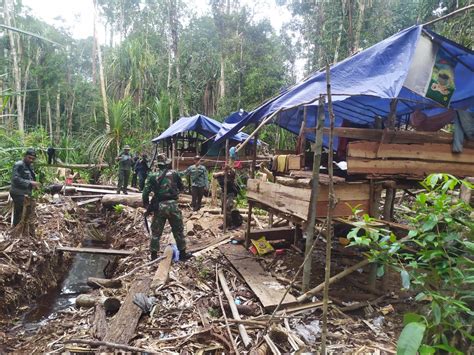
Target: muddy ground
(188, 316)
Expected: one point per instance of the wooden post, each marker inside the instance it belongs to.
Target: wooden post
(249, 222)
(173, 152)
(224, 198)
(270, 220)
(311, 220)
(331, 206)
(254, 156)
(393, 114)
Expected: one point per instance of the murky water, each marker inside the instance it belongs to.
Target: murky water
(61, 297)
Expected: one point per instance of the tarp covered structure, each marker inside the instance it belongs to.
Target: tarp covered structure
(420, 68)
(201, 124)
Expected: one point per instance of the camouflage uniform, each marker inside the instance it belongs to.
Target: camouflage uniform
(22, 176)
(233, 217)
(199, 182)
(125, 166)
(165, 199)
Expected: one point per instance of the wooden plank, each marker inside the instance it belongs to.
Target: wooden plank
(323, 178)
(295, 201)
(109, 187)
(408, 168)
(427, 151)
(122, 327)
(162, 273)
(273, 233)
(100, 191)
(368, 134)
(254, 275)
(95, 251)
(77, 197)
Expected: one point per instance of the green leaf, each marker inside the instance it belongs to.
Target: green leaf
(448, 348)
(469, 245)
(380, 271)
(430, 223)
(436, 312)
(410, 338)
(405, 279)
(412, 233)
(412, 317)
(426, 350)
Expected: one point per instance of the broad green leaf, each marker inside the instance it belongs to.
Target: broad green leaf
(410, 338)
(448, 348)
(469, 245)
(426, 350)
(430, 223)
(380, 271)
(436, 312)
(405, 279)
(412, 317)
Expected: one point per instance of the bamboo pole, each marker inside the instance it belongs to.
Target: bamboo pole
(263, 123)
(332, 205)
(454, 13)
(224, 198)
(311, 220)
(235, 313)
(254, 156)
(249, 222)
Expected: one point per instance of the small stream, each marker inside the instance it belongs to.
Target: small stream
(64, 295)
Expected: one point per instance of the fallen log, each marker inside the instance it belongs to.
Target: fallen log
(99, 324)
(122, 327)
(74, 166)
(110, 304)
(162, 274)
(110, 187)
(135, 200)
(96, 282)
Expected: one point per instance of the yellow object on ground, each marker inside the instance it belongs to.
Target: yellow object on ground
(263, 246)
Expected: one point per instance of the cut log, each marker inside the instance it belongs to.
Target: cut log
(407, 168)
(286, 233)
(96, 282)
(401, 137)
(99, 324)
(135, 200)
(110, 304)
(91, 200)
(162, 274)
(122, 327)
(190, 228)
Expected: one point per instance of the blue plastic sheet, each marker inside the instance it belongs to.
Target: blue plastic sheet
(363, 86)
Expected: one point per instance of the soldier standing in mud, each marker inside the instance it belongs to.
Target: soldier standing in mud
(199, 182)
(166, 185)
(125, 167)
(22, 183)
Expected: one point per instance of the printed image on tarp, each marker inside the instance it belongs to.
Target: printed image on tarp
(441, 86)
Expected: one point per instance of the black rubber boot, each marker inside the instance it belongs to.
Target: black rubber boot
(183, 256)
(154, 255)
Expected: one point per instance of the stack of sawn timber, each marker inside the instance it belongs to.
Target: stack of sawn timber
(414, 161)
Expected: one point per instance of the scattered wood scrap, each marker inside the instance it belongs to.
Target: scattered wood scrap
(267, 289)
(162, 273)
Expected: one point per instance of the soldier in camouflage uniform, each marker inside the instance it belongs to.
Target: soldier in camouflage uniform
(165, 185)
(23, 182)
(125, 167)
(199, 182)
(233, 217)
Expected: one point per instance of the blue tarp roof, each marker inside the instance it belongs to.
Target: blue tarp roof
(201, 124)
(363, 85)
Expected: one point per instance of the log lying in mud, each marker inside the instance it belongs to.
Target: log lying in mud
(110, 304)
(96, 282)
(122, 327)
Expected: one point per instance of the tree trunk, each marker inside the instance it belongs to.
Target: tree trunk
(50, 119)
(222, 77)
(57, 136)
(360, 22)
(102, 77)
(173, 23)
(69, 115)
(16, 67)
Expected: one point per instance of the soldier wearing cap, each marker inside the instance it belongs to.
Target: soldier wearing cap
(199, 182)
(165, 185)
(23, 182)
(125, 167)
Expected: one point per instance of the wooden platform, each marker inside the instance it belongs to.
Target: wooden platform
(95, 251)
(295, 200)
(267, 289)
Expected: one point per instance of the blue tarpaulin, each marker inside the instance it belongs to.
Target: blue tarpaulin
(201, 124)
(362, 86)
